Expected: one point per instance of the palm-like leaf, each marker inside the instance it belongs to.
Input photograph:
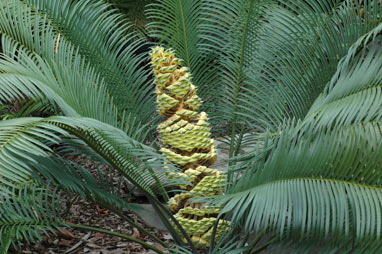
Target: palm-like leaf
(357, 81)
(17, 137)
(113, 144)
(29, 212)
(71, 177)
(299, 55)
(66, 64)
(123, 153)
(37, 77)
(102, 35)
(232, 33)
(321, 176)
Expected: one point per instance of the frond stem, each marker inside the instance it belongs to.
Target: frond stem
(236, 91)
(212, 244)
(101, 230)
(185, 34)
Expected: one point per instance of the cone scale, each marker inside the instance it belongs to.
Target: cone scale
(187, 139)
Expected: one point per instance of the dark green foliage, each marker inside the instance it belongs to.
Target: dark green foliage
(134, 11)
(26, 212)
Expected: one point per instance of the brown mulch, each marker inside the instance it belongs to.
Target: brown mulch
(73, 241)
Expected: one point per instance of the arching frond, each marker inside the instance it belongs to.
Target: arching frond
(65, 82)
(302, 44)
(132, 159)
(104, 37)
(19, 137)
(353, 95)
(314, 184)
(41, 61)
(122, 152)
(77, 180)
(66, 70)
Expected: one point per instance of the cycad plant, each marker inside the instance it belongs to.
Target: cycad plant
(292, 87)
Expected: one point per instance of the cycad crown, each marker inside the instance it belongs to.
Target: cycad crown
(187, 136)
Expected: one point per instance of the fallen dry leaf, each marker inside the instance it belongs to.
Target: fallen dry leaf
(65, 234)
(99, 235)
(159, 246)
(135, 233)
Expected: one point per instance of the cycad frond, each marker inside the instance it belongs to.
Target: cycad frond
(66, 73)
(104, 37)
(302, 44)
(65, 82)
(28, 213)
(357, 83)
(18, 138)
(314, 184)
(25, 138)
(322, 176)
(75, 179)
(232, 33)
(131, 158)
